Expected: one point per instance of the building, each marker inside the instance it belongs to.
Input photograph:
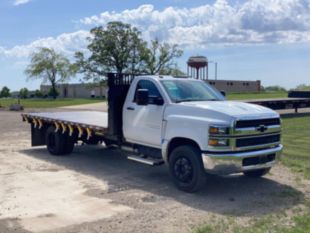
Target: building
(236, 85)
(81, 90)
(198, 68)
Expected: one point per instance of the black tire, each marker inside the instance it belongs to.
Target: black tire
(69, 144)
(55, 142)
(257, 173)
(186, 169)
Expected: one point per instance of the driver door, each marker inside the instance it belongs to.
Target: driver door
(142, 124)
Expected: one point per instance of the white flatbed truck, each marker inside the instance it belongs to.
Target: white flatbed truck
(181, 122)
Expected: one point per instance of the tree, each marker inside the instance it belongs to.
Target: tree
(38, 94)
(303, 87)
(160, 57)
(174, 71)
(116, 48)
(23, 93)
(275, 88)
(51, 67)
(119, 48)
(5, 92)
(53, 93)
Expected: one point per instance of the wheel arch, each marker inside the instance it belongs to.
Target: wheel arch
(179, 141)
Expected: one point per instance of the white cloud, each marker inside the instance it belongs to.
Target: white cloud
(67, 43)
(20, 2)
(255, 21)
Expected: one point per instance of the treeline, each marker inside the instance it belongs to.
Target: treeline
(276, 88)
(118, 47)
(24, 93)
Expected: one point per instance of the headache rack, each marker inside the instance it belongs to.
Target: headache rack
(118, 86)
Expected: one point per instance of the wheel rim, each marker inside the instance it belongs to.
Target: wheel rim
(183, 170)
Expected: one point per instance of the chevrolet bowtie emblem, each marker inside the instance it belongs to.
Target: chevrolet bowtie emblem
(261, 128)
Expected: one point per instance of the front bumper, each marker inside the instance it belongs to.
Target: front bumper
(235, 162)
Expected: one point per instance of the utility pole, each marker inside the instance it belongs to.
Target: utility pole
(215, 68)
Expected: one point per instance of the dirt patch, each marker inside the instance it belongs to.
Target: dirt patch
(44, 200)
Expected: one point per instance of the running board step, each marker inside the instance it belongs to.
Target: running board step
(148, 161)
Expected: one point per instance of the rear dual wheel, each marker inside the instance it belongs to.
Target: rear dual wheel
(57, 143)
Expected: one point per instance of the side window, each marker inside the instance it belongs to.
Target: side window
(150, 86)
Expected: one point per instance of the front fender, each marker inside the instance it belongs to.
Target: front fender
(189, 127)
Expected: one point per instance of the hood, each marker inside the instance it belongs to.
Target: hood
(236, 109)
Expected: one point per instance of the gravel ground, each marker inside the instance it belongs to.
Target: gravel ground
(99, 190)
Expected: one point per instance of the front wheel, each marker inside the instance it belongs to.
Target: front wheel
(257, 173)
(186, 168)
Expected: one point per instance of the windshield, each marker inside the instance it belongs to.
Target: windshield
(190, 90)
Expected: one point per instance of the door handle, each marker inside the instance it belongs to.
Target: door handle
(131, 108)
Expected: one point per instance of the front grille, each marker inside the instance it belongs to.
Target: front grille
(244, 142)
(256, 123)
(258, 160)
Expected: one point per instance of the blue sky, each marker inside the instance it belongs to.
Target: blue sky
(266, 40)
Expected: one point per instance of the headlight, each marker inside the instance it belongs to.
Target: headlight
(219, 142)
(221, 130)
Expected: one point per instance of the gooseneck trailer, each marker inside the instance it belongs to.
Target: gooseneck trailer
(181, 122)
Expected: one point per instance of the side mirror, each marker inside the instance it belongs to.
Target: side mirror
(223, 93)
(142, 97)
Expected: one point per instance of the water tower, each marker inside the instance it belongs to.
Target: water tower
(197, 67)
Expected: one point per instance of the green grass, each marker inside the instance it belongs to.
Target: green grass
(300, 224)
(296, 141)
(48, 103)
(260, 95)
(266, 224)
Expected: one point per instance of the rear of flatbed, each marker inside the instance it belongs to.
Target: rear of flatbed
(95, 122)
(67, 128)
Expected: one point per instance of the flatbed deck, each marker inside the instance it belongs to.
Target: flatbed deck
(97, 121)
